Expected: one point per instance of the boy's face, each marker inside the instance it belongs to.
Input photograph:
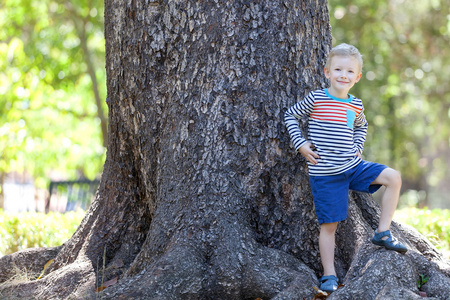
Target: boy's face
(344, 72)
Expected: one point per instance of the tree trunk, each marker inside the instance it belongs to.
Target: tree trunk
(202, 196)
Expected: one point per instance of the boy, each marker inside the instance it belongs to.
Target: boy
(337, 131)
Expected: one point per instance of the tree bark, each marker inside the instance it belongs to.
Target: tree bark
(202, 196)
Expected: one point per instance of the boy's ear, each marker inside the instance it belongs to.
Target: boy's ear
(359, 76)
(326, 72)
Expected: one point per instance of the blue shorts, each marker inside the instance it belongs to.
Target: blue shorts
(331, 192)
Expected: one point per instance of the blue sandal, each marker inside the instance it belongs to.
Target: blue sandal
(328, 284)
(391, 243)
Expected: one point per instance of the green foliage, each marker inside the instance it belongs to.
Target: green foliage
(48, 115)
(422, 280)
(404, 86)
(434, 224)
(28, 230)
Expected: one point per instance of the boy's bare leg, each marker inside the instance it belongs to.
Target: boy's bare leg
(392, 180)
(326, 247)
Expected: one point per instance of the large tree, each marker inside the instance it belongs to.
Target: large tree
(202, 196)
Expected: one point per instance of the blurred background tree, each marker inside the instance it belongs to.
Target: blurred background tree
(405, 88)
(52, 89)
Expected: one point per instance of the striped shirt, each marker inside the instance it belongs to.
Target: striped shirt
(336, 127)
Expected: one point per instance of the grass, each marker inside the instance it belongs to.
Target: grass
(432, 223)
(28, 229)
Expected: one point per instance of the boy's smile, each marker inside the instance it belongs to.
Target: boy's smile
(344, 72)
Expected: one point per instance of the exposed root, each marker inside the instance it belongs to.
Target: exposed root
(277, 275)
(239, 270)
(376, 273)
(179, 274)
(75, 280)
(28, 262)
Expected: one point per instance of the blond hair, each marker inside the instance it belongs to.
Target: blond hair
(345, 50)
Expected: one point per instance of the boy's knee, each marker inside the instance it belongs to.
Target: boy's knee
(329, 228)
(394, 177)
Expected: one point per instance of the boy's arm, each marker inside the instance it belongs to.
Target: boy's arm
(293, 116)
(360, 131)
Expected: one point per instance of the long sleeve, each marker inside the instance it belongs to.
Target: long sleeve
(360, 131)
(292, 117)
(336, 127)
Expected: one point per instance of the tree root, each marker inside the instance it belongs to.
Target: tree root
(29, 262)
(224, 261)
(241, 269)
(76, 280)
(377, 273)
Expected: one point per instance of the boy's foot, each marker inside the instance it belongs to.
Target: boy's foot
(328, 283)
(391, 243)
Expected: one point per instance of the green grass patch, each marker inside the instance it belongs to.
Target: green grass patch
(432, 223)
(28, 229)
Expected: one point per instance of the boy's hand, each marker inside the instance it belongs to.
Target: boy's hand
(307, 151)
(358, 154)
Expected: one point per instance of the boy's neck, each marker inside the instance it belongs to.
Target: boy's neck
(338, 94)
